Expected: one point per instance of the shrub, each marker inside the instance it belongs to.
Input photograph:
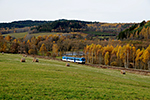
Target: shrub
(114, 63)
(53, 55)
(48, 54)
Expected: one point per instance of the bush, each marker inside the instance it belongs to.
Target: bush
(114, 63)
(32, 51)
(48, 54)
(53, 55)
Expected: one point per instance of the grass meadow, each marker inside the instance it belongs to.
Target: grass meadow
(51, 79)
(96, 33)
(21, 35)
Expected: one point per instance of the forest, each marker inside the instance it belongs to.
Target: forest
(70, 37)
(137, 31)
(65, 26)
(22, 24)
(83, 26)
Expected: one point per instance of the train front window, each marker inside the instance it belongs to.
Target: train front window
(83, 59)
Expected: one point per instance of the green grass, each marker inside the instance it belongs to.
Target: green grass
(50, 79)
(16, 35)
(96, 33)
(45, 33)
(21, 35)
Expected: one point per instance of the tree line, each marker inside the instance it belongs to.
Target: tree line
(137, 31)
(52, 45)
(83, 26)
(113, 28)
(22, 24)
(95, 51)
(63, 26)
(126, 56)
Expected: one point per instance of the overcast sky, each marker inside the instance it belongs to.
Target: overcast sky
(88, 10)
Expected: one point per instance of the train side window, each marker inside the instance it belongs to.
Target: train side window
(78, 59)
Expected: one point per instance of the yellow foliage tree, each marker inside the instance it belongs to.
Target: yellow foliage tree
(138, 57)
(134, 54)
(106, 58)
(127, 52)
(8, 38)
(55, 49)
(145, 58)
(43, 49)
(108, 48)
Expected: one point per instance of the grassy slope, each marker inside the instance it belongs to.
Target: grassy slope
(96, 33)
(51, 79)
(20, 35)
(16, 35)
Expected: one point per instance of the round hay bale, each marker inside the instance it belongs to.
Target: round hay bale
(35, 60)
(22, 60)
(67, 64)
(123, 72)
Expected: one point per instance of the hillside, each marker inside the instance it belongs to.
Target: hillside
(21, 24)
(137, 31)
(96, 28)
(111, 28)
(51, 79)
(63, 25)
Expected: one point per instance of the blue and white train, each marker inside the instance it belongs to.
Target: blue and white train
(74, 59)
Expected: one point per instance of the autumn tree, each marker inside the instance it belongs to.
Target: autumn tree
(55, 49)
(107, 58)
(146, 58)
(14, 47)
(32, 51)
(138, 58)
(2, 41)
(43, 49)
(127, 52)
(134, 55)
(86, 51)
(8, 38)
(109, 49)
(99, 50)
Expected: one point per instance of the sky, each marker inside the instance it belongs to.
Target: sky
(111, 11)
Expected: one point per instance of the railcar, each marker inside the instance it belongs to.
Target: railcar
(74, 59)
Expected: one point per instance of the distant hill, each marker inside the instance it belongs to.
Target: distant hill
(63, 25)
(21, 24)
(111, 28)
(83, 26)
(137, 31)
